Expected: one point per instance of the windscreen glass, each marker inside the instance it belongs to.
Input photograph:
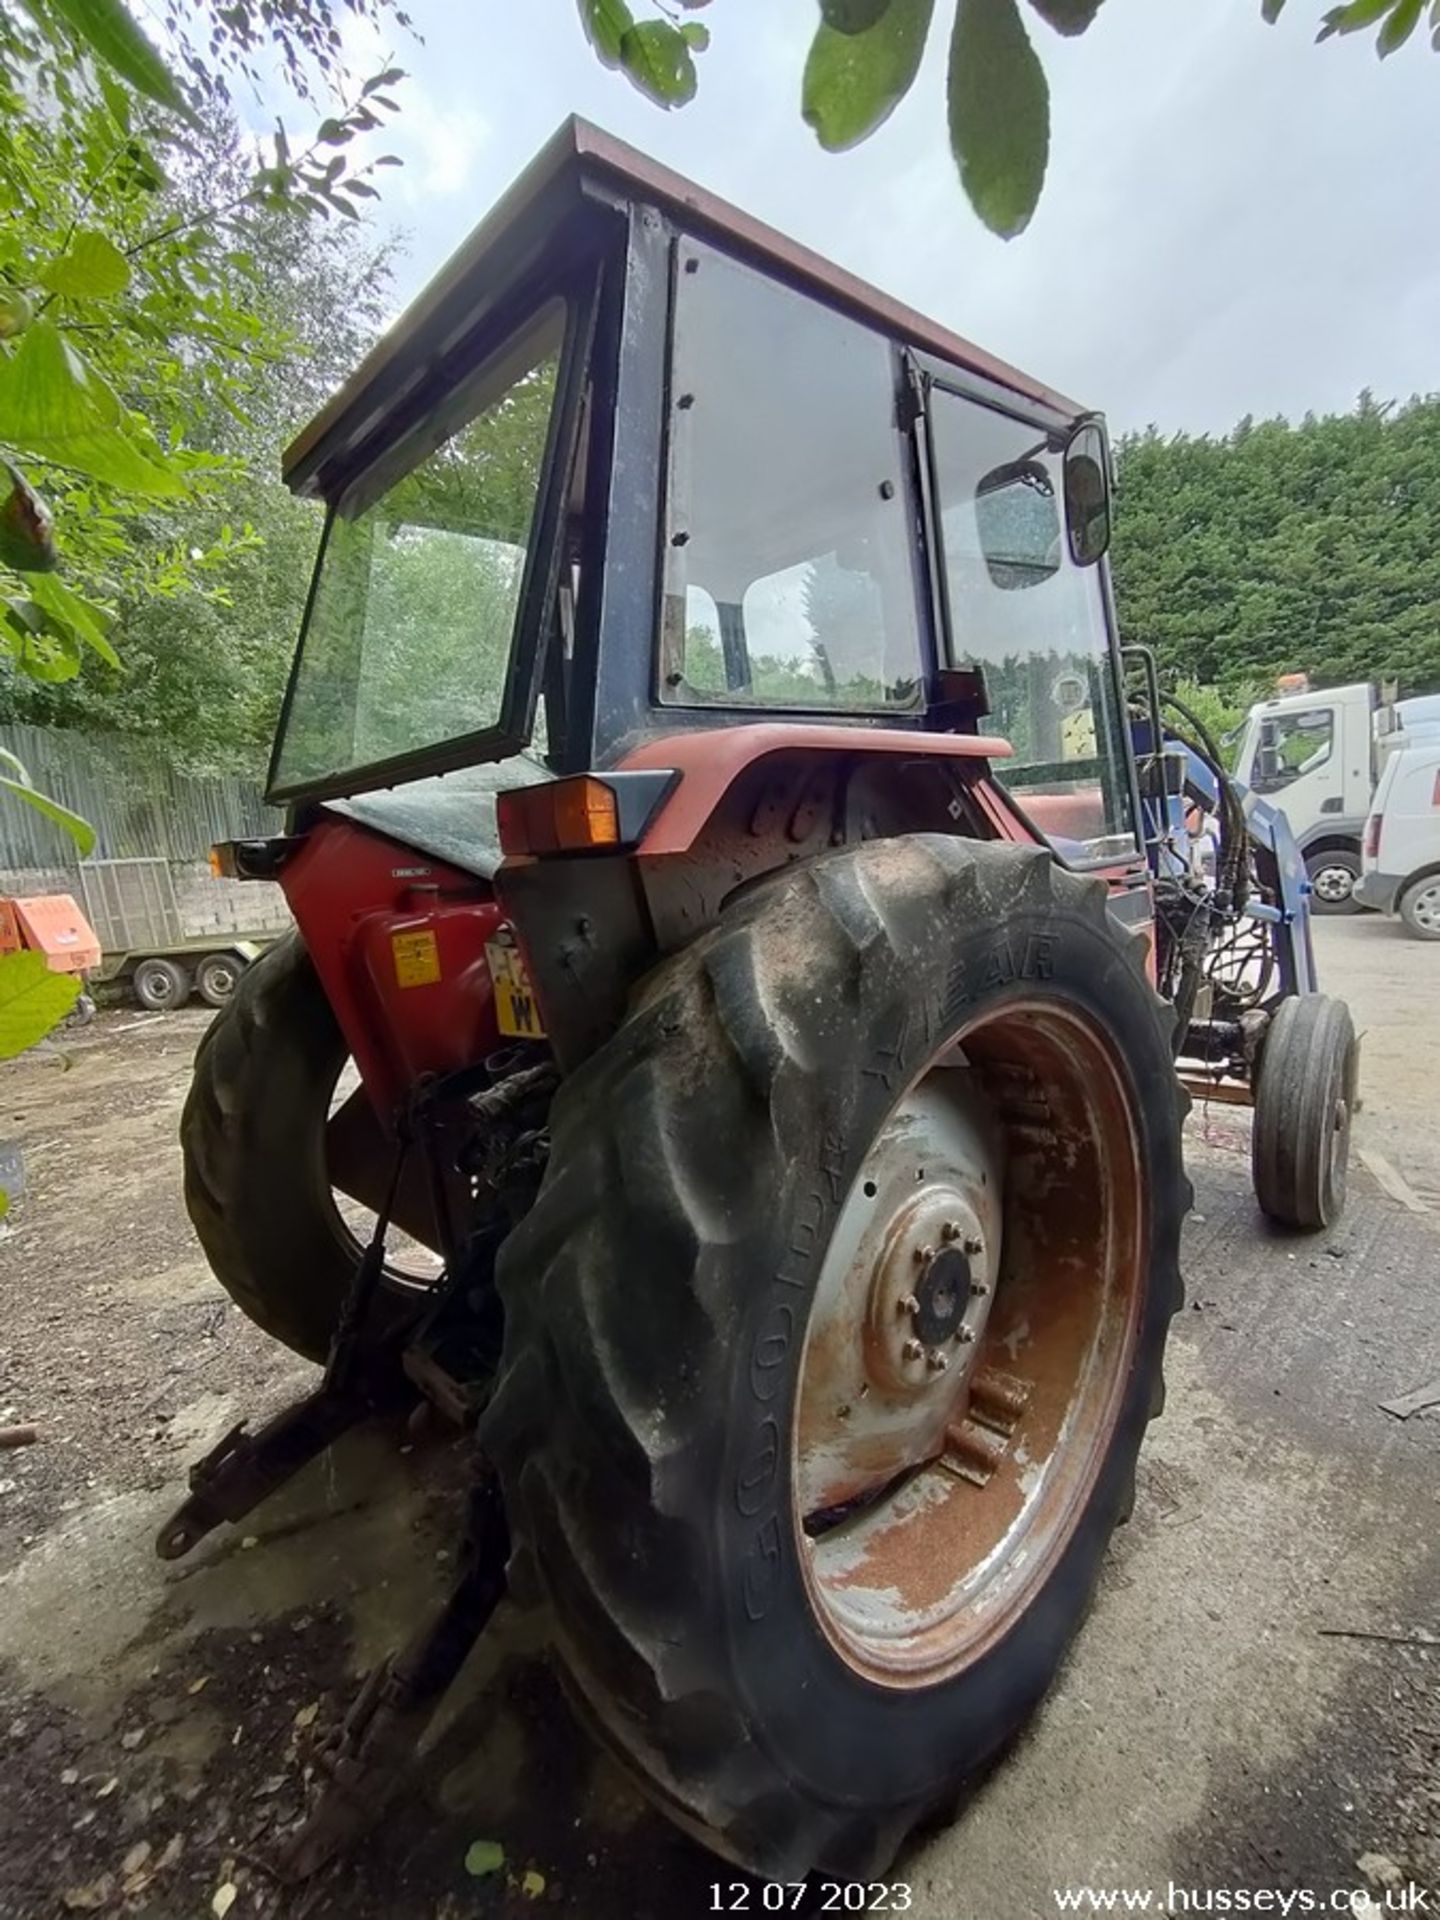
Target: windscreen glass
(789, 559)
(414, 608)
(1035, 622)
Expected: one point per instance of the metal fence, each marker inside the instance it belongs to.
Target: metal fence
(138, 805)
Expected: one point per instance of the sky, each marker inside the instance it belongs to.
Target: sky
(1235, 221)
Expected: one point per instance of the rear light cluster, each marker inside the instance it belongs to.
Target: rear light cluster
(586, 813)
(1372, 836)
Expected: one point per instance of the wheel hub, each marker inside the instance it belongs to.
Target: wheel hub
(930, 1294)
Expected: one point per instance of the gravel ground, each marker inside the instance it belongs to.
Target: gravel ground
(1219, 1726)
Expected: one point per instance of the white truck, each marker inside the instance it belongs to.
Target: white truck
(1402, 838)
(1318, 755)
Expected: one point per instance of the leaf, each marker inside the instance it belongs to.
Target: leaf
(656, 58)
(532, 1883)
(223, 1899)
(91, 268)
(1354, 17)
(68, 610)
(852, 16)
(1271, 10)
(306, 1716)
(606, 22)
(80, 831)
(33, 1001)
(109, 31)
(16, 312)
(1399, 27)
(483, 1857)
(999, 111)
(49, 390)
(27, 528)
(1067, 16)
(695, 36)
(854, 81)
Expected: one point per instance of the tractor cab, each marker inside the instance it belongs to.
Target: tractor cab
(637, 466)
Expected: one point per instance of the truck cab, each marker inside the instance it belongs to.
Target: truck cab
(1312, 755)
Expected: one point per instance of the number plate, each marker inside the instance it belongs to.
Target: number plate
(516, 1012)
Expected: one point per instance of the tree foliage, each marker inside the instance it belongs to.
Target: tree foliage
(1276, 548)
(866, 55)
(133, 281)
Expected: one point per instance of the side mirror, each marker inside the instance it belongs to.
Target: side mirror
(1087, 494)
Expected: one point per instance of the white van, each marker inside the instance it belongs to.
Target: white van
(1402, 839)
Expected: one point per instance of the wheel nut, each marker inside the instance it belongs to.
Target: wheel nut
(924, 1255)
(965, 1335)
(907, 1303)
(912, 1350)
(979, 1289)
(974, 1244)
(936, 1361)
(950, 1231)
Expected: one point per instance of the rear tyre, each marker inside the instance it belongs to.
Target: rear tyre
(736, 1339)
(217, 976)
(1420, 908)
(253, 1138)
(1304, 1102)
(1333, 874)
(160, 985)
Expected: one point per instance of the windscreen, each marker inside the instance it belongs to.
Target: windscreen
(413, 613)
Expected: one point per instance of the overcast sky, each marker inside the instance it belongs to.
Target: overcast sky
(1235, 220)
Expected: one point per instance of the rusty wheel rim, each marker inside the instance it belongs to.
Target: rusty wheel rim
(969, 1343)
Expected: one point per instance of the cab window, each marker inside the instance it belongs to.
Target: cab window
(1292, 745)
(1021, 609)
(789, 565)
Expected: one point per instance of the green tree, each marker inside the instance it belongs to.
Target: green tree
(866, 55)
(1277, 549)
(128, 275)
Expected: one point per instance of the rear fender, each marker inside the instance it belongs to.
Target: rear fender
(398, 940)
(748, 801)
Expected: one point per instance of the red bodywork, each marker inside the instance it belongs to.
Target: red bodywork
(398, 937)
(398, 940)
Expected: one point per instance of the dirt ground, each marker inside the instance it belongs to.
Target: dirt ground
(1254, 1703)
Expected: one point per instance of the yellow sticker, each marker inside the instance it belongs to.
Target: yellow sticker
(417, 958)
(517, 1013)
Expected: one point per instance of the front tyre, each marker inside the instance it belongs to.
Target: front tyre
(1333, 874)
(832, 1336)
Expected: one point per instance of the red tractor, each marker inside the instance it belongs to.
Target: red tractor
(762, 922)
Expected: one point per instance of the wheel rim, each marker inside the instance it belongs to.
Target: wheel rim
(158, 991)
(1333, 884)
(1425, 908)
(967, 1350)
(219, 981)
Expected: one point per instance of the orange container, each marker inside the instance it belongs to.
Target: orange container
(52, 924)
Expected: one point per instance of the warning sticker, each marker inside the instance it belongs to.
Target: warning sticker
(417, 958)
(516, 1013)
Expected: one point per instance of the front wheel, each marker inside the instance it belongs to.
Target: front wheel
(1333, 874)
(832, 1336)
(1305, 1099)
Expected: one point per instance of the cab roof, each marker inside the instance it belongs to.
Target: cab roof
(582, 168)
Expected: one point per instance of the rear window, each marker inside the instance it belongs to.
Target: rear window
(789, 571)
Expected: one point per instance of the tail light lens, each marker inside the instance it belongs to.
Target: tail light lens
(1372, 835)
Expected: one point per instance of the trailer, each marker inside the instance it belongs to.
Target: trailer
(131, 904)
